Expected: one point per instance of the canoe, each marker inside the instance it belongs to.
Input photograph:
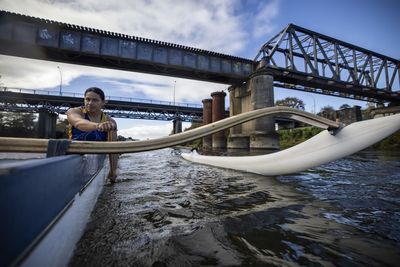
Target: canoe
(45, 205)
(325, 147)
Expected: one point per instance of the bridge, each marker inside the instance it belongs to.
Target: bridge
(28, 100)
(296, 58)
(305, 60)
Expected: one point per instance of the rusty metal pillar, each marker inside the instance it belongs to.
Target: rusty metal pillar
(47, 124)
(236, 139)
(263, 134)
(218, 110)
(207, 118)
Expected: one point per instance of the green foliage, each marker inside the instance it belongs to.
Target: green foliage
(292, 137)
(292, 102)
(328, 112)
(18, 124)
(198, 144)
(61, 129)
(391, 142)
(344, 106)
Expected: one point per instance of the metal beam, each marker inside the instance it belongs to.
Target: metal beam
(36, 38)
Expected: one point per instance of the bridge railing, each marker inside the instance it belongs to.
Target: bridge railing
(80, 95)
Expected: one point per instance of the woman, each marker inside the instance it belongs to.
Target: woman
(90, 123)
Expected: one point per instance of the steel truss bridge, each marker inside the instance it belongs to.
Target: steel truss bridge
(305, 60)
(33, 101)
(297, 58)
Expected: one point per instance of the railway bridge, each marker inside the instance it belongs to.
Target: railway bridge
(295, 58)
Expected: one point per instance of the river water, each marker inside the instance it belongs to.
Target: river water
(165, 211)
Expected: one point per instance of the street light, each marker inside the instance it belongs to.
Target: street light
(310, 95)
(314, 104)
(174, 91)
(59, 69)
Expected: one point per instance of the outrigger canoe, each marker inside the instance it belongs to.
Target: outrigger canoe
(45, 203)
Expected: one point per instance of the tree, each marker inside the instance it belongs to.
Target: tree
(18, 124)
(292, 102)
(344, 106)
(328, 112)
(61, 129)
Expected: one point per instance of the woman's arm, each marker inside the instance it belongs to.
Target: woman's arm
(109, 125)
(112, 136)
(75, 118)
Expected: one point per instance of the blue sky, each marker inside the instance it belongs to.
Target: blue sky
(237, 28)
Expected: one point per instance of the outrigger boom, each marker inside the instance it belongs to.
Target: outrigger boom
(85, 147)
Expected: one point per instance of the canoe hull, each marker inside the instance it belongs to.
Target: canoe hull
(45, 209)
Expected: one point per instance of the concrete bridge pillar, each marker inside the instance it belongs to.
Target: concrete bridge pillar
(237, 138)
(207, 118)
(262, 133)
(177, 125)
(218, 110)
(47, 124)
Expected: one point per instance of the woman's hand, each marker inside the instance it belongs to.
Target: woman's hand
(106, 126)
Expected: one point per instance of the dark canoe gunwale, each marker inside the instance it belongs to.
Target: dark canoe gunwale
(45, 205)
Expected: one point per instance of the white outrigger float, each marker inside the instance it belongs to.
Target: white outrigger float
(46, 203)
(320, 149)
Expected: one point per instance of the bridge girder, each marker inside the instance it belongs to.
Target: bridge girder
(306, 60)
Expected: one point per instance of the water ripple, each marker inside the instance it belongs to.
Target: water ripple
(165, 211)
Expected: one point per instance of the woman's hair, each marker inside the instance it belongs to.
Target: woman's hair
(97, 91)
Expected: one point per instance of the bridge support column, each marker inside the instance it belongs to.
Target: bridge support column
(207, 118)
(177, 125)
(47, 124)
(218, 110)
(237, 139)
(262, 134)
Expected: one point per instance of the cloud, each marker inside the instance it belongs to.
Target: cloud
(144, 132)
(264, 18)
(204, 24)
(149, 130)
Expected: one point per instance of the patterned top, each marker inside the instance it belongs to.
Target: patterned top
(96, 135)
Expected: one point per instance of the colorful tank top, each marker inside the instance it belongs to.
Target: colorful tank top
(96, 135)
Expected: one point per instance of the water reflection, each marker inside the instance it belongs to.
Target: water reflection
(168, 212)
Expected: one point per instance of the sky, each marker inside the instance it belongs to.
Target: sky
(233, 27)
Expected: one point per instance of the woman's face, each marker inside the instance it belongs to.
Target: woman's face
(93, 102)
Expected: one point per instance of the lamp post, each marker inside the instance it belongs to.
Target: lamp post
(314, 104)
(310, 95)
(59, 69)
(174, 91)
